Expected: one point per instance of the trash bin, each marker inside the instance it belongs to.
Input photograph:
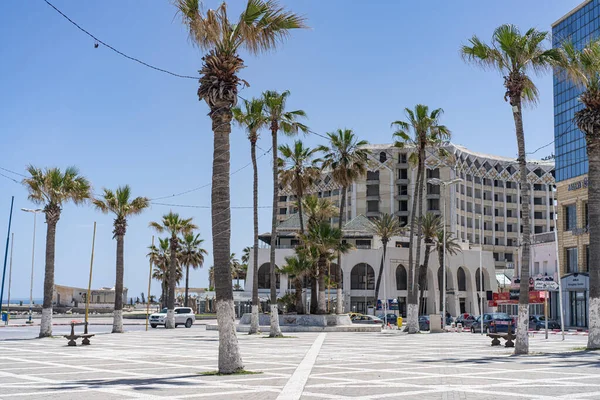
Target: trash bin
(399, 321)
(4, 316)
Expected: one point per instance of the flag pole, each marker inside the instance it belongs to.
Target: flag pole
(12, 244)
(87, 298)
(12, 201)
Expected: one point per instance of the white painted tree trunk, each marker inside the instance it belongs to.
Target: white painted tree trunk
(522, 342)
(275, 330)
(117, 321)
(412, 318)
(46, 324)
(254, 322)
(170, 321)
(230, 360)
(339, 308)
(322, 302)
(594, 322)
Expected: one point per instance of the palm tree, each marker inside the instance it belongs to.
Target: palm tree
(325, 241)
(582, 68)
(260, 27)
(297, 267)
(286, 122)
(515, 55)
(175, 226)
(317, 211)
(191, 255)
(236, 268)
(452, 248)
(53, 188)
(160, 256)
(122, 206)
(299, 170)
(431, 224)
(211, 277)
(426, 132)
(385, 226)
(246, 255)
(347, 158)
(253, 119)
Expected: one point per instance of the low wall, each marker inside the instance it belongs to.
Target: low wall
(326, 320)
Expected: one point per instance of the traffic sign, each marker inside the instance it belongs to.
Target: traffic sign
(546, 285)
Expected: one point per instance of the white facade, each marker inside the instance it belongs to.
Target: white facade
(364, 262)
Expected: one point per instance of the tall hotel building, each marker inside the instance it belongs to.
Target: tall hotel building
(487, 196)
(579, 26)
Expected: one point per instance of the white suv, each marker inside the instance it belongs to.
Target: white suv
(183, 316)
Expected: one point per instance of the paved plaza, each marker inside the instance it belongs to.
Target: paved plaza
(161, 364)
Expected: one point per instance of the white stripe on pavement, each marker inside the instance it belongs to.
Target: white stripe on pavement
(295, 386)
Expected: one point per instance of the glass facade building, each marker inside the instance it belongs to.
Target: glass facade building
(578, 26)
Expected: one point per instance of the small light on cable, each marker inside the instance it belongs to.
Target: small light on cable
(96, 44)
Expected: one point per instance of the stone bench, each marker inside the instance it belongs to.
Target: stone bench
(72, 337)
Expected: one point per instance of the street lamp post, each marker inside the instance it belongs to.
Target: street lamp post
(443, 184)
(34, 212)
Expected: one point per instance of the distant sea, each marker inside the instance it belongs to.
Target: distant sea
(25, 301)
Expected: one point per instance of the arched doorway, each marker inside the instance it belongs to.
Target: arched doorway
(462, 279)
(264, 277)
(401, 278)
(362, 277)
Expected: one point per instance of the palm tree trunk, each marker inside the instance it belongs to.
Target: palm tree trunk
(321, 299)
(594, 249)
(423, 276)
(522, 339)
(52, 216)
(441, 262)
(314, 302)
(230, 359)
(187, 284)
(412, 308)
(338, 273)
(299, 195)
(170, 321)
(254, 322)
(275, 331)
(421, 185)
(163, 299)
(378, 284)
(298, 287)
(118, 313)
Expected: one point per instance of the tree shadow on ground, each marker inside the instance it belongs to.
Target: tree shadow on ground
(133, 383)
(567, 359)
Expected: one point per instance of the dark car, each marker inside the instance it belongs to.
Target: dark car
(465, 320)
(424, 323)
(391, 318)
(537, 322)
(494, 322)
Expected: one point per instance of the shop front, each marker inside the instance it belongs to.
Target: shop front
(575, 289)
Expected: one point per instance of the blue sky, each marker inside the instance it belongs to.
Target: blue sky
(66, 103)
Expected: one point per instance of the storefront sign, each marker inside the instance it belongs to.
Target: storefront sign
(535, 297)
(576, 282)
(578, 185)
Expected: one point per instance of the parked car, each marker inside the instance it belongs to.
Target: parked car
(367, 319)
(424, 323)
(493, 322)
(391, 318)
(353, 315)
(183, 316)
(537, 322)
(466, 320)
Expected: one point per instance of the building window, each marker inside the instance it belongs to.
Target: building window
(362, 277)
(433, 204)
(372, 190)
(402, 158)
(382, 157)
(373, 206)
(403, 219)
(282, 198)
(363, 244)
(403, 190)
(372, 175)
(433, 173)
(508, 213)
(570, 217)
(536, 268)
(571, 259)
(403, 205)
(401, 278)
(538, 201)
(538, 229)
(509, 198)
(433, 189)
(403, 245)
(282, 211)
(508, 257)
(509, 242)
(403, 173)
